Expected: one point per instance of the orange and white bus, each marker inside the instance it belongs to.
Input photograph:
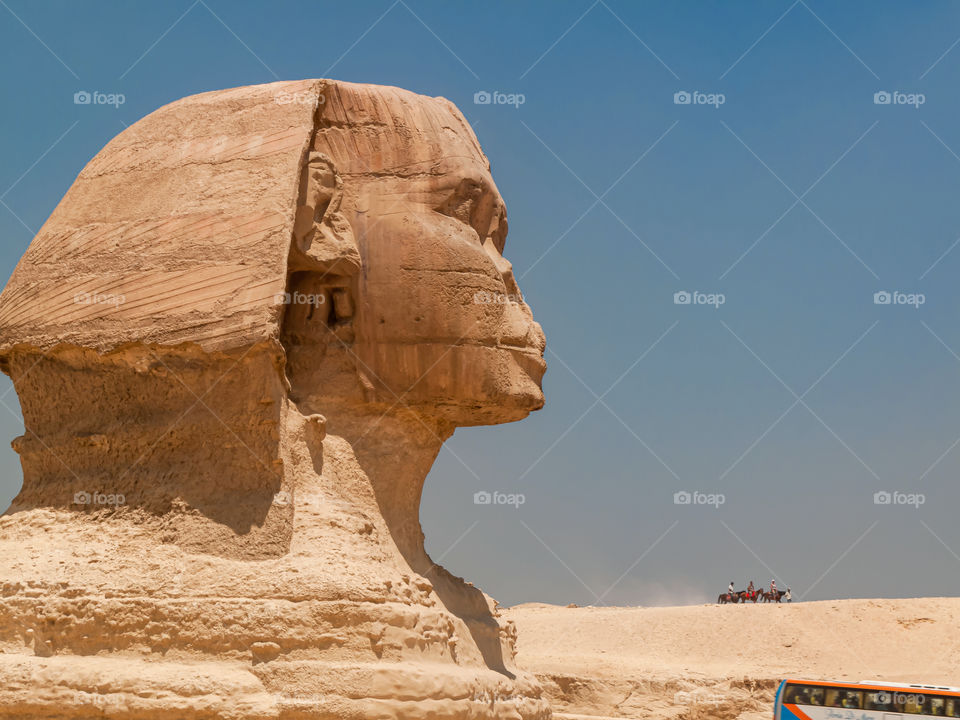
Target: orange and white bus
(819, 700)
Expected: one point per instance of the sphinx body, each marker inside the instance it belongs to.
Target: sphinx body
(239, 343)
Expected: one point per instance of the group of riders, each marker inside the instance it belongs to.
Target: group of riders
(752, 594)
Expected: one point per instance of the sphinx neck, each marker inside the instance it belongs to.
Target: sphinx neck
(393, 454)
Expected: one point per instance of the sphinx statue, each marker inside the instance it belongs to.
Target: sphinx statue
(239, 343)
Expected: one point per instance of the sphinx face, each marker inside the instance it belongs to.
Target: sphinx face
(399, 222)
(441, 320)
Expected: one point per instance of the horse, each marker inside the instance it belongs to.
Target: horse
(772, 596)
(725, 598)
(746, 595)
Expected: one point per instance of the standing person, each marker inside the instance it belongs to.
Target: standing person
(787, 596)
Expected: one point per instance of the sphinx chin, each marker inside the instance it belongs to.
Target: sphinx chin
(509, 408)
(505, 389)
(525, 394)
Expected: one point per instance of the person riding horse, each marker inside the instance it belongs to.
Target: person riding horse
(753, 593)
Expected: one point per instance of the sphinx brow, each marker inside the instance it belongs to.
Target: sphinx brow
(405, 166)
(487, 188)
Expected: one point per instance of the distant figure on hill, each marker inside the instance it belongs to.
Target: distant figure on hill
(787, 596)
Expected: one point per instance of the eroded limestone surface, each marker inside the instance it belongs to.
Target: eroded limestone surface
(239, 343)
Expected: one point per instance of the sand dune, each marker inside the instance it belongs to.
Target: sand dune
(709, 661)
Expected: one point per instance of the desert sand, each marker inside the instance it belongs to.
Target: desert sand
(709, 661)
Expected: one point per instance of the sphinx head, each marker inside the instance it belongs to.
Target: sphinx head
(236, 256)
(374, 202)
(399, 245)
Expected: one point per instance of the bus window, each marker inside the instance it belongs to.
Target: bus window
(840, 698)
(953, 707)
(852, 699)
(803, 695)
(915, 704)
(937, 706)
(791, 695)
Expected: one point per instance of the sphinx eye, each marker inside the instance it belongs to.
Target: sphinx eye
(463, 202)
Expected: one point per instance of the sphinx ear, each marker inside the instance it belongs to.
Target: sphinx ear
(323, 240)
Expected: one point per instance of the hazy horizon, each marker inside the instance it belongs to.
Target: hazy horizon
(737, 225)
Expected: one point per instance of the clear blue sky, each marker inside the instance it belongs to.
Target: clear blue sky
(798, 198)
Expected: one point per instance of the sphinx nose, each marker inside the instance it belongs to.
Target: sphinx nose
(509, 280)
